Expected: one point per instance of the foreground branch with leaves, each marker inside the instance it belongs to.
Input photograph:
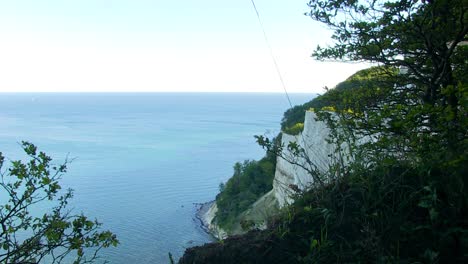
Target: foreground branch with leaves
(54, 236)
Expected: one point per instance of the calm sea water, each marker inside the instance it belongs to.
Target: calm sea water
(141, 161)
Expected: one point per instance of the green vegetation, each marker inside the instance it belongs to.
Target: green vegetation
(403, 197)
(367, 79)
(382, 214)
(251, 180)
(294, 130)
(56, 236)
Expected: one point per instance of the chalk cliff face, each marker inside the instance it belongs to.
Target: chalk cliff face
(288, 176)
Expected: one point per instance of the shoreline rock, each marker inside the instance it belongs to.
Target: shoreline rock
(200, 215)
(206, 212)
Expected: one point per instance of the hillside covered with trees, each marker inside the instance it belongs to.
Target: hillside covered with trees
(251, 180)
(404, 196)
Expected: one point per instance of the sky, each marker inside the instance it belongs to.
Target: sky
(162, 46)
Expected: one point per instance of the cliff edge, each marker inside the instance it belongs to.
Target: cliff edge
(288, 178)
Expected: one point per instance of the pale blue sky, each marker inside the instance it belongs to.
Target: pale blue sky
(153, 45)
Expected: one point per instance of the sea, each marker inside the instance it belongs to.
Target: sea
(141, 162)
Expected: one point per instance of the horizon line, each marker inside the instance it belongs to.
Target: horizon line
(143, 92)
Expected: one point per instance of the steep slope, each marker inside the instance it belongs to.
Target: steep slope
(288, 175)
(299, 125)
(287, 178)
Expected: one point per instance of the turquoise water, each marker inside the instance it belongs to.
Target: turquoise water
(141, 161)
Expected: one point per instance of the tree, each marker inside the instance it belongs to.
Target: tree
(55, 236)
(414, 110)
(426, 42)
(418, 35)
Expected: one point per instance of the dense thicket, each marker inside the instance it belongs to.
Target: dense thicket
(383, 214)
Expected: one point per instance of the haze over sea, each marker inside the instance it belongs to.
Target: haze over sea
(142, 160)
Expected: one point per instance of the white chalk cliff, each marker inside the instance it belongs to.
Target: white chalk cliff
(288, 176)
(320, 152)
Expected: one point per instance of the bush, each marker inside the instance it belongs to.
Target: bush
(294, 130)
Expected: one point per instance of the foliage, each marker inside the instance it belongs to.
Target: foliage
(251, 180)
(54, 236)
(367, 78)
(424, 39)
(386, 213)
(380, 214)
(402, 197)
(294, 130)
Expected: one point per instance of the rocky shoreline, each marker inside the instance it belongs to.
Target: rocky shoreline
(201, 215)
(206, 212)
